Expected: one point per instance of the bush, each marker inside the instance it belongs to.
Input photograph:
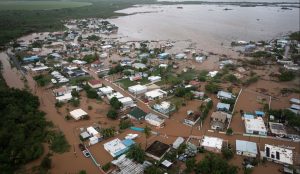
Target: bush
(58, 142)
(68, 117)
(46, 163)
(90, 107)
(59, 104)
(106, 167)
(287, 76)
(124, 124)
(112, 114)
(136, 153)
(229, 131)
(227, 153)
(212, 87)
(108, 132)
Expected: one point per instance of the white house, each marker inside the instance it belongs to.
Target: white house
(155, 94)
(180, 56)
(137, 89)
(255, 126)
(106, 90)
(212, 144)
(154, 79)
(78, 114)
(138, 65)
(126, 101)
(246, 148)
(178, 142)
(117, 147)
(154, 120)
(225, 95)
(118, 95)
(279, 154)
(92, 131)
(212, 73)
(64, 98)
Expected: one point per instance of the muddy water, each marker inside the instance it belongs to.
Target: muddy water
(11, 75)
(208, 25)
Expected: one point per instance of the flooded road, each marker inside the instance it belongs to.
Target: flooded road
(11, 75)
(207, 25)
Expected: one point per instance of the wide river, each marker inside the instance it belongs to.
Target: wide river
(207, 25)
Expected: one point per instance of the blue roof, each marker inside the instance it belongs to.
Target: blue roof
(246, 146)
(223, 105)
(248, 116)
(128, 142)
(31, 58)
(259, 113)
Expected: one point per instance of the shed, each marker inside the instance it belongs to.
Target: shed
(78, 114)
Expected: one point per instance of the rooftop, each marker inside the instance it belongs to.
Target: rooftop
(213, 142)
(256, 124)
(277, 128)
(246, 146)
(137, 113)
(157, 149)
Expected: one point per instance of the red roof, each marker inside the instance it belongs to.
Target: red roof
(94, 82)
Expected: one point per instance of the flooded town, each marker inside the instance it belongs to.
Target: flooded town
(163, 90)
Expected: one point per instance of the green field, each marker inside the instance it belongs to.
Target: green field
(40, 5)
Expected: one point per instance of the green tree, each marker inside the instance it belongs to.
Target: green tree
(147, 132)
(136, 153)
(46, 163)
(108, 132)
(229, 131)
(227, 153)
(153, 169)
(124, 124)
(115, 103)
(190, 164)
(112, 114)
(212, 87)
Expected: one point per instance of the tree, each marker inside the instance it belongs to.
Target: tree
(91, 93)
(46, 163)
(212, 87)
(147, 132)
(112, 114)
(153, 169)
(190, 164)
(136, 153)
(227, 153)
(229, 131)
(124, 124)
(144, 61)
(75, 93)
(115, 103)
(108, 132)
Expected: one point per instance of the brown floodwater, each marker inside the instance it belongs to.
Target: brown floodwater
(207, 25)
(11, 75)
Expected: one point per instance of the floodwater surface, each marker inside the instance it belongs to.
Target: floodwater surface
(210, 26)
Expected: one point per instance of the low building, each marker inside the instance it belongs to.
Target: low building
(154, 79)
(164, 56)
(126, 101)
(95, 84)
(138, 66)
(155, 94)
(295, 107)
(180, 56)
(178, 142)
(294, 101)
(192, 118)
(255, 126)
(125, 165)
(246, 148)
(164, 107)
(64, 98)
(137, 114)
(277, 129)
(223, 107)
(137, 89)
(61, 91)
(225, 95)
(117, 95)
(157, 150)
(212, 144)
(279, 154)
(117, 147)
(106, 90)
(154, 120)
(78, 114)
(218, 120)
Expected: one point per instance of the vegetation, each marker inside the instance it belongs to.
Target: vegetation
(58, 142)
(147, 132)
(251, 80)
(259, 54)
(205, 108)
(106, 167)
(212, 87)
(116, 69)
(42, 80)
(108, 132)
(227, 152)
(93, 38)
(295, 36)
(287, 76)
(45, 164)
(75, 102)
(229, 131)
(136, 153)
(112, 114)
(286, 116)
(190, 165)
(115, 103)
(90, 58)
(124, 124)
(214, 164)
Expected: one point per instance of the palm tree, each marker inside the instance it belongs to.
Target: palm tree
(147, 132)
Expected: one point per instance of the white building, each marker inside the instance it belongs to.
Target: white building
(246, 148)
(117, 147)
(255, 126)
(180, 56)
(137, 89)
(78, 114)
(212, 73)
(138, 65)
(212, 144)
(154, 120)
(154, 79)
(199, 59)
(118, 95)
(126, 101)
(279, 154)
(64, 98)
(92, 131)
(155, 94)
(178, 142)
(106, 90)
(225, 95)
